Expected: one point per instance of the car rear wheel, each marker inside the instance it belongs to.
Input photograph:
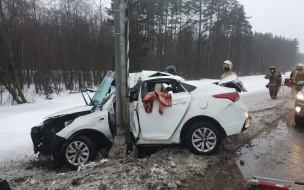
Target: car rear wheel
(80, 150)
(203, 138)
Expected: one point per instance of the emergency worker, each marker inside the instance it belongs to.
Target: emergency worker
(275, 79)
(171, 69)
(296, 76)
(227, 66)
(168, 87)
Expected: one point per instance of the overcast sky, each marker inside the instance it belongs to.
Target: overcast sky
(280, 17)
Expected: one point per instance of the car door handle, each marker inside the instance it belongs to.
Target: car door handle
(182, 102)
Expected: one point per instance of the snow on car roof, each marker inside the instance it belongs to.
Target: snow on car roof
(147, 75)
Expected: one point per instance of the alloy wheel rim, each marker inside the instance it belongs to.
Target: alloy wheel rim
(204, 139)
(77, 153)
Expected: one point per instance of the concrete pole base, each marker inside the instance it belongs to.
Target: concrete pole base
(119, 148)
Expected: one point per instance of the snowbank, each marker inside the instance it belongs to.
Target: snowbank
(253, 84)
(16, 123)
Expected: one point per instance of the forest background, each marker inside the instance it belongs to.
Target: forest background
(51, 45)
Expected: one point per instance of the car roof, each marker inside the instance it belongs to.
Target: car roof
(151, 75)
(148, 75)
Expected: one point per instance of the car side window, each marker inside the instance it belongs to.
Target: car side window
(174, 86)
(161, 86)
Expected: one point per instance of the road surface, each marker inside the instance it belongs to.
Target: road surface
(278, 153)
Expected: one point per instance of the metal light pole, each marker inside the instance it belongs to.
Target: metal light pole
(122, 137)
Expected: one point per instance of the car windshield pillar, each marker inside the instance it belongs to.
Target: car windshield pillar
(106, 87)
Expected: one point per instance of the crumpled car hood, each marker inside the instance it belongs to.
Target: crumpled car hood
(70, 111)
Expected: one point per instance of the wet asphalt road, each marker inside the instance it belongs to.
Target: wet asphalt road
(277, 154)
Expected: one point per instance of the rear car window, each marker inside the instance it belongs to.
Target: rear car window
(188, 87)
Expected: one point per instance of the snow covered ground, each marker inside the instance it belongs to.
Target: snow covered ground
(253, 84)
(16, 121)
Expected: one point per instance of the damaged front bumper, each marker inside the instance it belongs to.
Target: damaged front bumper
(38, 139)
(47, 143)
(56, 148)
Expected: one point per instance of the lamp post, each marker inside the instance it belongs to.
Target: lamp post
(122, 137)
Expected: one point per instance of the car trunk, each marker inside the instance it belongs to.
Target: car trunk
(233, 82)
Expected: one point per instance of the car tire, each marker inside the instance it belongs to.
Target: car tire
(78, 151)
(299, 120)
(203, 138)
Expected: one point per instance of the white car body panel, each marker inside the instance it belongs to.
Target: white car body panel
(232, 118)
(134, 125)
(204, 89)
(97, 121)
(230, 115)
(70, 111)
(223, 118)
(203, 95)
(159, 127)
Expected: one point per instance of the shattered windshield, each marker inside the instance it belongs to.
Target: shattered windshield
(106, 87)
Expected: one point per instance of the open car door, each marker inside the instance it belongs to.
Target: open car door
(154, 126)
(134, 82)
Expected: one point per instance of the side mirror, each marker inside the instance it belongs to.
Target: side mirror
(301, 83)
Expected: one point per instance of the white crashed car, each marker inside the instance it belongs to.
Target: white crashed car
(200, 116)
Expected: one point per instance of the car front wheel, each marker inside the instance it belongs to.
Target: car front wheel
(80, 150)
(203, 138)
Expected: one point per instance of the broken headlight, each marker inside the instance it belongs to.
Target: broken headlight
(68, 122)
